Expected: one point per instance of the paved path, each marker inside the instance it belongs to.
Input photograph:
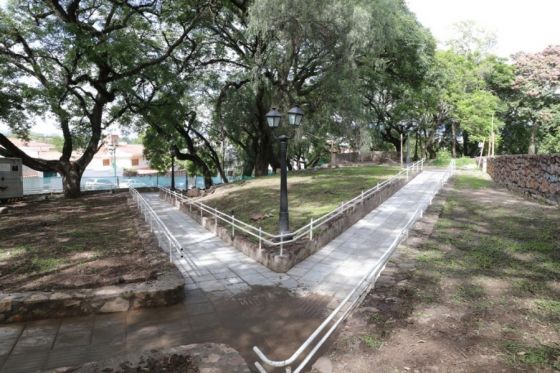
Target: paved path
(215, 267)
(208, 263)
(230, 298)
(339, 265)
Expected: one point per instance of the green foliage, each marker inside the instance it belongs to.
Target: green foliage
(535, 103)
(372, 342)
(533, 356)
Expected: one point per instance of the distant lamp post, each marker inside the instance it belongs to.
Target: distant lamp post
(273, 118)
(113, 149)
(172, 151)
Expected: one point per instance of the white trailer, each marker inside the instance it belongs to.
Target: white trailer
(11, 178)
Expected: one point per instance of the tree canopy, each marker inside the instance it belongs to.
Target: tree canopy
(197, 78)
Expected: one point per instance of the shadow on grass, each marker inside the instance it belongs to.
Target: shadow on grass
(69, 240)
(486, 288)
(311, 194)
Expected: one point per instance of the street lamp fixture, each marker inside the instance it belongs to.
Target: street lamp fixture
(273, 118)
(295, 115)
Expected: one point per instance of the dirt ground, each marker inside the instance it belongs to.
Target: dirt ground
(475, 288)
(95, 240)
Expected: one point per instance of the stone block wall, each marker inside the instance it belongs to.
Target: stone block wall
(535, 175)
(166, 290)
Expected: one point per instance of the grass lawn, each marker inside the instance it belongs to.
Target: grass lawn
(72, 243)
(310, 194)
(484, 294)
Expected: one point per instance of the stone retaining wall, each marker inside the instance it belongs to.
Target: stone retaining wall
(166, 290)
(535, 175)
(298, 251)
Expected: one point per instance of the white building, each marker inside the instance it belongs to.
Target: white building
(36, 149)
(128, 157)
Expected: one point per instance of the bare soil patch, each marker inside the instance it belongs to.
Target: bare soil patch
(474, 289)
(96, 240)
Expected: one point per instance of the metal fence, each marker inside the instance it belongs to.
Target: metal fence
(348, 303)
(304, 232)
(41, 185)
(156, 225)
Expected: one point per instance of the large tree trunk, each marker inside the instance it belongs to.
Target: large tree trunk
(416, 147)
(71, 171)
(206, 172)
(453, 140)
(261, 165)
(248, 166)
(71, 178)
(533, 139)
(207, 179)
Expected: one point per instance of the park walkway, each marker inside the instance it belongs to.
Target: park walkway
(230, 298)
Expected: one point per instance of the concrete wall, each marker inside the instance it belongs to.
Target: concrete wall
(534, 175)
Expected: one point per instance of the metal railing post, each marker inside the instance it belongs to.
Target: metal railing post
(362, 197)
(170, 250)
(232, 226)
(260, 238)
(311, 230)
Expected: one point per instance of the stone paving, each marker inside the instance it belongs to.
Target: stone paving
(208, 263)
(339, 265)
(230, 298)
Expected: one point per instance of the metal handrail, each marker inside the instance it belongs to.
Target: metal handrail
(368, 279)
(154, 221)
(304, 231)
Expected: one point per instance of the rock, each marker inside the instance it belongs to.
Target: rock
(115, 305)
(369, 310)
(259, 216)
(403, 284)
(5, 304)
(193, 192)
(60, 296)
(3, 210)
(323, 365)
(205, 358)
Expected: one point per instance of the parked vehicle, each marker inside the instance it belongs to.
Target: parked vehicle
(132, 183)
(99, 183)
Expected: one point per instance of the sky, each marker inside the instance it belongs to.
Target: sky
(519, 25)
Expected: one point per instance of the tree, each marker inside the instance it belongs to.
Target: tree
(537, 86)
(472, 40)
(276, 53)
(73, 59)
(392, 67)
(166, 100)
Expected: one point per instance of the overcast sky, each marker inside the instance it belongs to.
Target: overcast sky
(519, 25)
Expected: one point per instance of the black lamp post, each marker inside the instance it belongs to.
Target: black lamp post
(172, 151)
(273, 117)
